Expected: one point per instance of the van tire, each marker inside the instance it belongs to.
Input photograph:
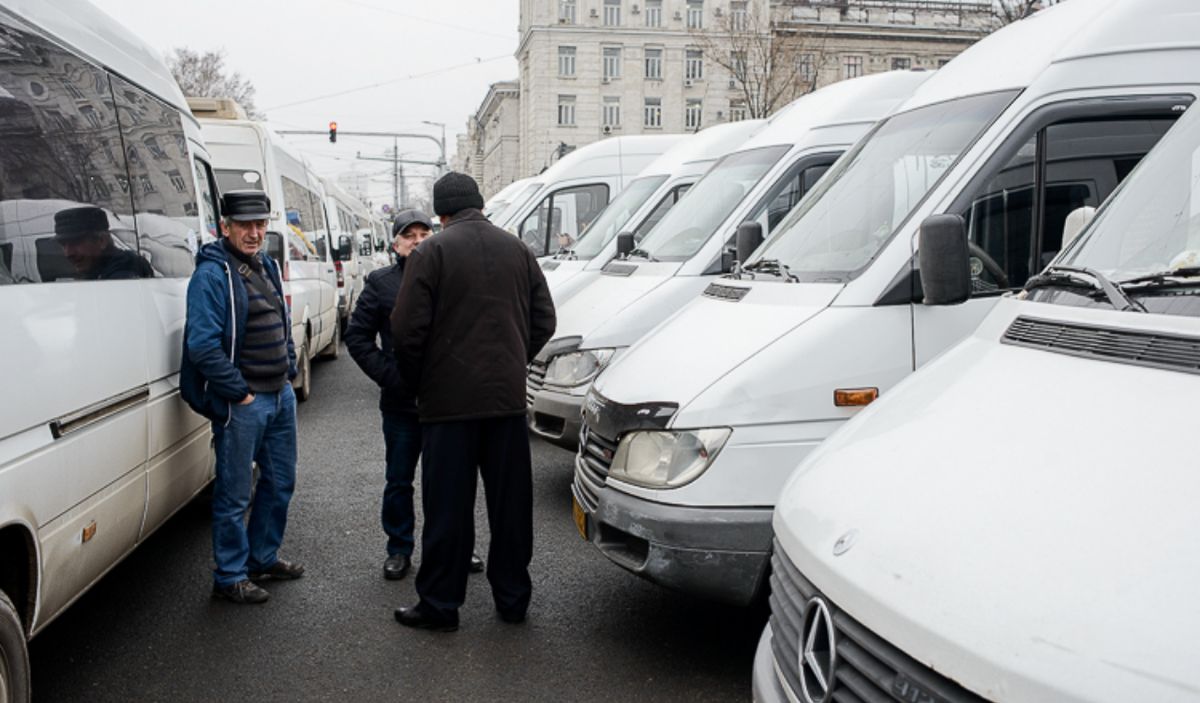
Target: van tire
(14, 656)
(334, 350)
(303, 383)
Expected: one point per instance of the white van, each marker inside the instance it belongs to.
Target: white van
(1018, 520)
(97, 449)
(574, 191)
(1015, 134)
(248, 155)
(349, 230)
(762, 181)
(495, 206)
(642, 204)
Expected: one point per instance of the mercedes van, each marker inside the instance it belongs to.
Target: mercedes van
(574, 191)
(1017, 521)
(761, 180)
(107, 195)
(690, 436)
(249, 155)
(642, 204)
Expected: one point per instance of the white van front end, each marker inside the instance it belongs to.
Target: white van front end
(1018, 520)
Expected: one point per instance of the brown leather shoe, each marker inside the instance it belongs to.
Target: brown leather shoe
(279, 571)
(242, 593)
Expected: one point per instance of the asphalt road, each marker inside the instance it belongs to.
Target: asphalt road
(150, 631)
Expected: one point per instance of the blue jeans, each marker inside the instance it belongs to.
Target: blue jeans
(402, 440)
(263, 432)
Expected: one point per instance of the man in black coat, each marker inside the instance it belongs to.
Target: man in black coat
(472, 312)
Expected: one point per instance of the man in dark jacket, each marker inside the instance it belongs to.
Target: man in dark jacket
(401, 429)
(87, 243)
(472, 312)
(238, 359)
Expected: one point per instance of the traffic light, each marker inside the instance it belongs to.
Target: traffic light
(333, 132)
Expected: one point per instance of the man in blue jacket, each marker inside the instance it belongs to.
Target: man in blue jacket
(238, 362)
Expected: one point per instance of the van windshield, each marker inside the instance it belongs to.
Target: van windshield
(1151, 231)
(503, 212)
(840, 227)
(684, 230)
(237, 179)
(616, 216)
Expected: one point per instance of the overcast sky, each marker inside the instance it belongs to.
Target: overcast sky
(296, 52)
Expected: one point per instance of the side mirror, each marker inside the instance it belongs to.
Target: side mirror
(1077, 221)
(273, 245)
(624, 244)
(344, 251)
(728, 259)
(749, 238)
(943, 256)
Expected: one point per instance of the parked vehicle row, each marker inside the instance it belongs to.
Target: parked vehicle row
(961, 539)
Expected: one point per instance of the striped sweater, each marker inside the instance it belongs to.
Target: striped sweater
(264, 360)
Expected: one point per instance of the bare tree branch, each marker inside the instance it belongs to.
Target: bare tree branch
(1009, 11)
(203, 75)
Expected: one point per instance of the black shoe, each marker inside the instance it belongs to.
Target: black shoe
(396, 566)
(476, 564)
(279, 571)
(413, 617)
(242, 592)
(511, 618)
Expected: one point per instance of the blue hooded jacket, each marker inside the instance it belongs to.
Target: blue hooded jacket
(209, 377)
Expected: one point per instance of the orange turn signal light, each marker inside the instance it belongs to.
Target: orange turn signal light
(89, 532)
(854, 397)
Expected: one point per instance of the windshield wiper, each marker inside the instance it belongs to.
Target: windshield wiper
(641, 254)
(1178, 278)
(1069, 277)
(774, 267)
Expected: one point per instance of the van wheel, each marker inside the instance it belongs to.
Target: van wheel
(303, 383)
(334, 350)
(14, 657)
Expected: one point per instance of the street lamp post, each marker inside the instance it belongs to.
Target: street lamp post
(442, 166)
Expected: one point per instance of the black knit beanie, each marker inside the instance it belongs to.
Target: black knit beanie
(454, 192)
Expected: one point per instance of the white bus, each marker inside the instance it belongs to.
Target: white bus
(105, 195)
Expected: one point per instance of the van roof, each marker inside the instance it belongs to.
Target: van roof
(708, 144)
(592, 160)
(1014, 57)
(855, 101)
(89, 31)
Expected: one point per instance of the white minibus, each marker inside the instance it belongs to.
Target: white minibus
(1018, 521)
(1016, 134)
(574, 191)
(642, 203)
(351, 235)
(762, 180)
(106, 194)
(248, 155)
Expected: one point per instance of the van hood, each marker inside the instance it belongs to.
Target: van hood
(1022, 521)
(712, 335)
(609, 294)
(558, 271)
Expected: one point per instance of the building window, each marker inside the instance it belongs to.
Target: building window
(653, 13)
(695, 14)
(566, 111)
(853, 66)
(611, 116)
(612, 13)
(692, 114)
(737, 110)
(612, 62)
(901, 63)
(566, 60)
(737, 60)
(566, 11)
(93, 118)
(806, 70)
(739, 18)
(654, 64)
(652, 113)
(694, 67)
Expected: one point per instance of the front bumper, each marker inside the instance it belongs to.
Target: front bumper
(555, 416)
(765, 686)
(719, 554)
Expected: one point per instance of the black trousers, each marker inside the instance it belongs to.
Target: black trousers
(452, 455)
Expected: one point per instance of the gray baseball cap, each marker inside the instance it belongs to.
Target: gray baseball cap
(404, 218)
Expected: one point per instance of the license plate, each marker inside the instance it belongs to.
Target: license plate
(580, 518)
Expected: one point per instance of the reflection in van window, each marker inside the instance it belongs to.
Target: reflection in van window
(65, 208)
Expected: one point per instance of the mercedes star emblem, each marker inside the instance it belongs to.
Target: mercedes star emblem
(818, 653)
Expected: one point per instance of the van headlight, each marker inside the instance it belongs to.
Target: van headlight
(667, 459)
(577, 368)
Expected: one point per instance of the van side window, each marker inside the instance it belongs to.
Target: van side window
(570, 211)
(210, 225)
(660, 210)
(1016, 220)
(303, 230)
(787, 193)
(164, 196)
(65, 211)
